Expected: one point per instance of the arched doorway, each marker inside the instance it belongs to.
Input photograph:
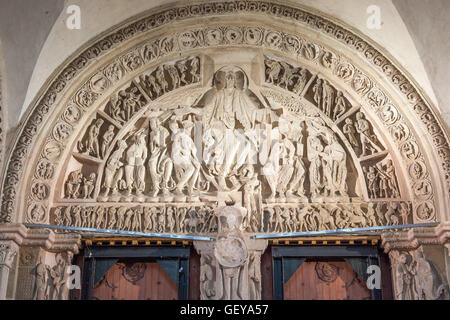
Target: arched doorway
(303, 126)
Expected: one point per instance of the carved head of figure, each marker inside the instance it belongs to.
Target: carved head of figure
(348, 121)
(389, 163)
(359, 116)
(140, 137)
(99, 122)
(121, 144)
(154, 124)
(173, 126)
(230, 79)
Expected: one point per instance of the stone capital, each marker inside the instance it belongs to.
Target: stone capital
(8, 251)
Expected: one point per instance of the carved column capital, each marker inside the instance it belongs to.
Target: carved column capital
(406, 240)
(8, 251)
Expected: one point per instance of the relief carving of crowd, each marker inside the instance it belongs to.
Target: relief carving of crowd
(259, 148)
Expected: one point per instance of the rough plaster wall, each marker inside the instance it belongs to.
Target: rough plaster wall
(24, 27)
(429, 24)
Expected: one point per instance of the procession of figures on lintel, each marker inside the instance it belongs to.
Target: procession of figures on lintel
(200, 219)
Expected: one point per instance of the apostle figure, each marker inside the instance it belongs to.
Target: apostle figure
(184, 158)
(134, 168)
(160, 165)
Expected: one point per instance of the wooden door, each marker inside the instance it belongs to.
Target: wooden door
(135, 281)
(325, 280)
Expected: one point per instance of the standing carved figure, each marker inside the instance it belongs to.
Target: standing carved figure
(114, 170)
(73, 184)
(318, 92)
(391, 179)
(135, 159)
(340, 106)
(254, 274)
(184, 157)
(273, 71)
(328, 98)
(174, 76)
(315, 153)
(195, 69)
(161, 79)
(93, 147)
(77, 216)
(116, 108)
(181, 67)
(406, 277)
(350, 132)
(89, 185)
(297, 184)
(121, 217)
(207, 290)
(301, 82)
(111, 218)
(252, 196)
(107, 138)
(40, 282)
(280, 167)
(160, 164)
(366, 137)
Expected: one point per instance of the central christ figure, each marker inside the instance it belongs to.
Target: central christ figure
(230, 102)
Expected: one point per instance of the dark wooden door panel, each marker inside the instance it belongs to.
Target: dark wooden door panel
(136, 281)
(325, 280)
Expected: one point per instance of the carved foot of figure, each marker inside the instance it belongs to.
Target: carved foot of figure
(139, 197)
(179, 196)
(290, 197)
(103, 197)
(343, 199)
(115, 196)
(193, 198)
(317, 198)
(154, 194)
(167, 196)
(302, 197)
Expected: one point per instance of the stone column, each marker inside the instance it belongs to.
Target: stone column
(8, 251)
(230, 267)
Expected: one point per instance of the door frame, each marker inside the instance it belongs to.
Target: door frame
(371, 253)
(92, 255)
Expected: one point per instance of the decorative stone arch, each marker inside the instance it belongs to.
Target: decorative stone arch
(53, 158)
(359, 61)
